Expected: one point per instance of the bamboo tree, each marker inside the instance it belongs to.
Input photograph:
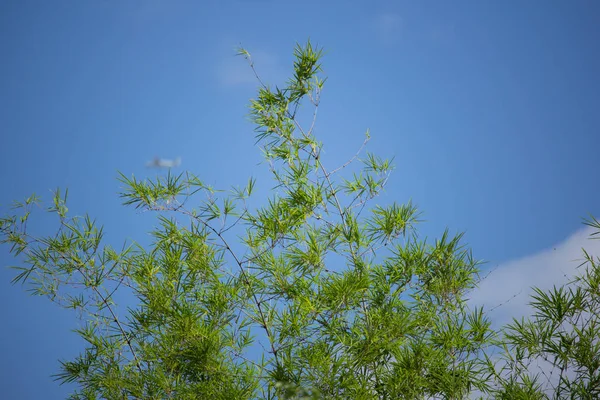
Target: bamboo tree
(319, 293)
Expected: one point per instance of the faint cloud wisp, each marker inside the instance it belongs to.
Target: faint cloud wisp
(235, 70)
(506, 291)
(389, 27)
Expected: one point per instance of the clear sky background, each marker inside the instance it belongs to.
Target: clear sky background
(490, 108)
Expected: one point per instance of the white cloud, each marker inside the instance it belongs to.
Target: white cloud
(508, 288)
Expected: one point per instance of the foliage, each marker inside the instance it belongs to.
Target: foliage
(556, 353)
(324, 295)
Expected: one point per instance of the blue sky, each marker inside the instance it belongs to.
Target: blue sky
(489, 108)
